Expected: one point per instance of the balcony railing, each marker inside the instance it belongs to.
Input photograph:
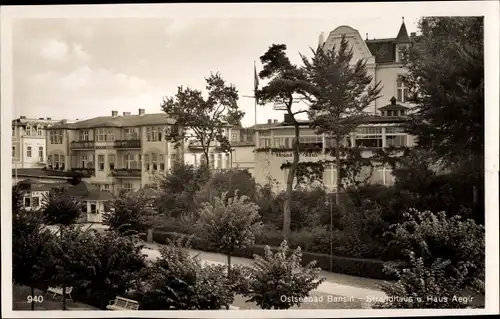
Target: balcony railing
(82, 145)
(127, 172)
(128, 144)
(86, 172)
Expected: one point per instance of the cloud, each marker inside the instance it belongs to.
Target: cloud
(54, 50)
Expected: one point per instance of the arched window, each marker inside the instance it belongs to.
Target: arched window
(28, 130)
(154, 161)
(40, 130)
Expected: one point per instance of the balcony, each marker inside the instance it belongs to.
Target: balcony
(82, 145)
(86, 172)
(126, 172)
(128, 144)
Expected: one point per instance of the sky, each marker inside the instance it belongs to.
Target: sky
(78, 68)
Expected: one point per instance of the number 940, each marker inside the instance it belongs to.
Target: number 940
(36, 299)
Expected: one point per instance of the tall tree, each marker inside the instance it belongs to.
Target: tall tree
(446, 81)
(286, 83)
(61, 209)
(342, 90)
(204, 118)
(30, 248)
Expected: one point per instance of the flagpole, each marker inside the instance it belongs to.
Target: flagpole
(255, 96)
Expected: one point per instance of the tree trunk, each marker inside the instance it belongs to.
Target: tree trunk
(32, 298)
(287, 207)
(228, 270)
(149, 237)
(64, 284)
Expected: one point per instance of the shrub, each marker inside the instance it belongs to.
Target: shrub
(425, 285)
(432, 236)
(179, 281)
(277, 280)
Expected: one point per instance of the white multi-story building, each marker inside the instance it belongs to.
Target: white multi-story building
(28, 142)
(122, 152)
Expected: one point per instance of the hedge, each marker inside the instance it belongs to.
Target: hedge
(370, 268)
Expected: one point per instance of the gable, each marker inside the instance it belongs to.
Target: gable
(359, 48)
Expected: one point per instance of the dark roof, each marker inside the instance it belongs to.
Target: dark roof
(384, 50)
(118, 121)
(34, 122)
(402, 36)
(393, 106)
(88, 191)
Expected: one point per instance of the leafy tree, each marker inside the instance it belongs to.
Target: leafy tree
(30, 248)
(17, 198)
(61, 209)
(446, 80)
(230, 181)
(280, 274)
(179, 281)
(109, 265)
(204, 118)
(286, 82)
(131, 213)
(340, 95)
(229, 224)
(179, 188)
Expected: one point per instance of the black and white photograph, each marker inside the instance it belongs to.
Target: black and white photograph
(248, 160)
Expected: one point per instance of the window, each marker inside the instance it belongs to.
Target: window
(148, 134)
(154, 161)
(127, 187)
(219, 160)
(395, 137)
(202, 160)
(111, 161)
(13, 131)
(61, 159)
(146, 162)
(139, 161)
(27, 201)
(330, 176)
(212, 161)
(13, 152)
(84, 207)
(368, 137)
(153, 134)
(110, 134)
(84, 160)
(173, 159)
(84, 135)
(56, 161)
(36, 201)
(93, 208)
(402, 90)
(130, 161)
(129, 134)
(264, 142)
(101, 134)
(55, 137)
(28, 152)
(40, 130)
(40, 153)
(49, 161)
(162, 162)
(234, 137)
(28, 130)
(106, 187)
(195, 160)
(228, 161)
(100, 160)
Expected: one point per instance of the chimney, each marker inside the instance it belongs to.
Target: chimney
(22, 117)
(142, 111)
(40, 118)
(126, 113)
(413, 34)
(275, 121)
(367, 36)
(269, 121)
(49, 118)
(114, 113)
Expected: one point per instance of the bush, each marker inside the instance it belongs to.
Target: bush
(279, 274)
(179, 281)
(370, 268)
